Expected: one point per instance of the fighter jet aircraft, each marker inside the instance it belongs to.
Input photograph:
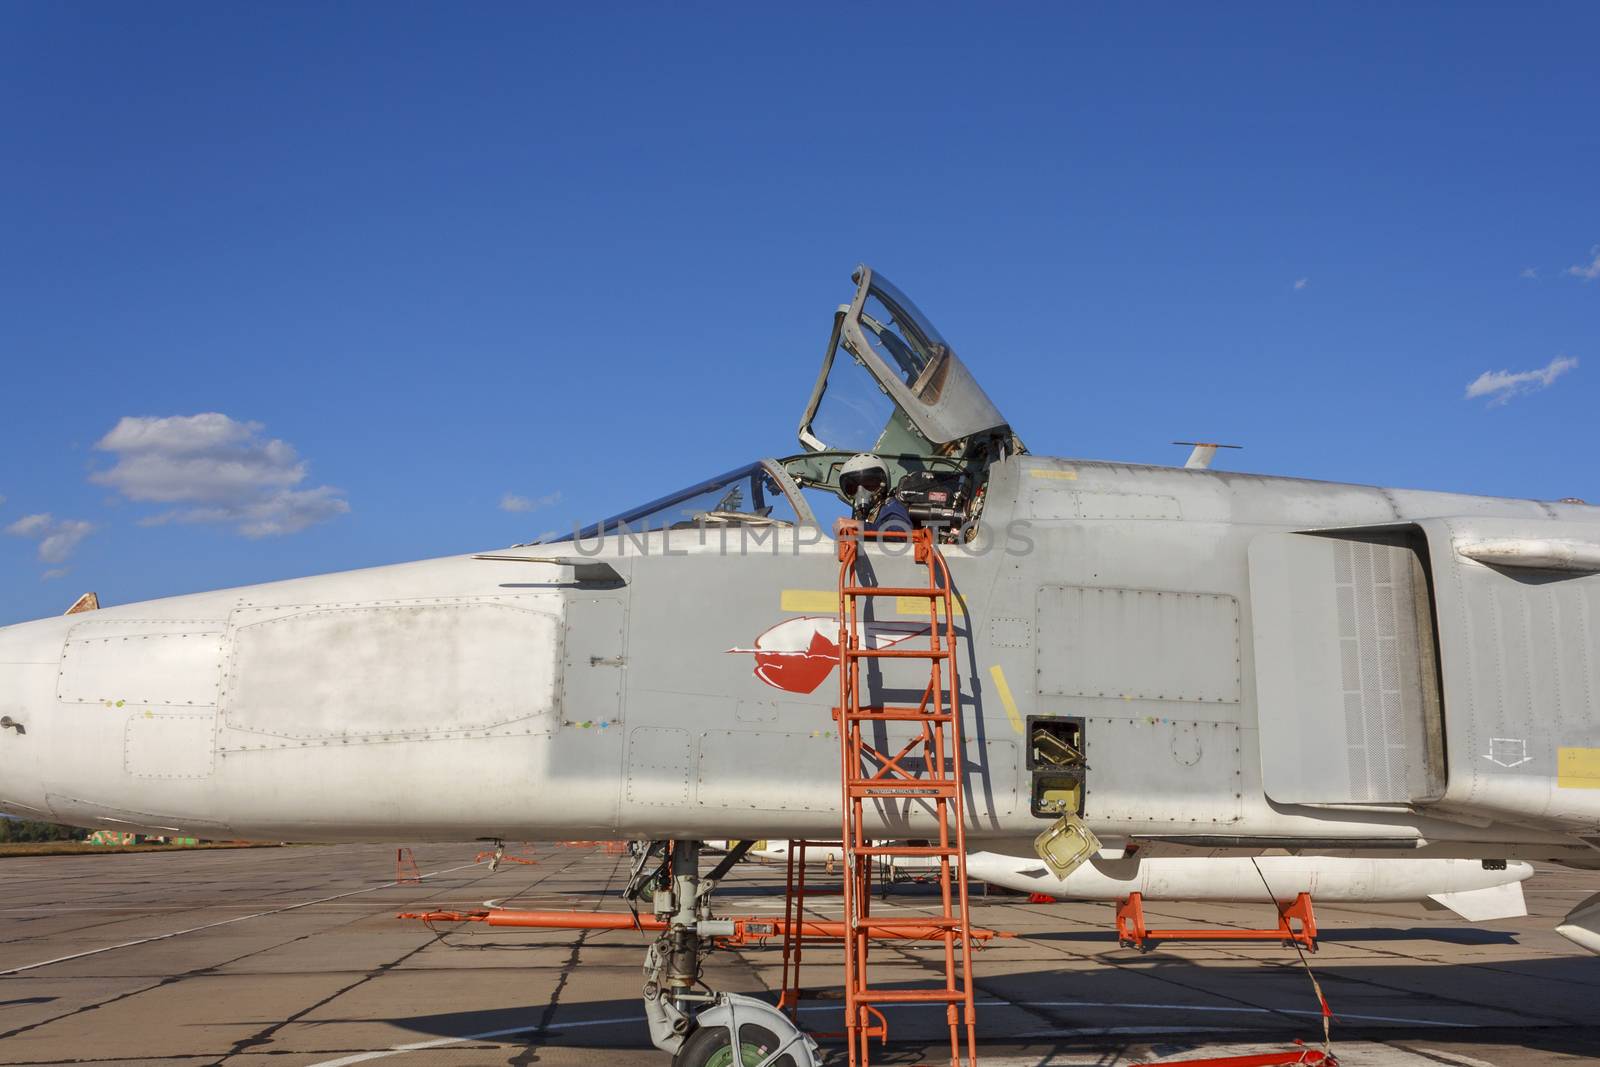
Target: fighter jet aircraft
(1188, 659)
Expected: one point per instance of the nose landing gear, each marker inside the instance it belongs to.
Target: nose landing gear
(711, 1043)
(702, 1028)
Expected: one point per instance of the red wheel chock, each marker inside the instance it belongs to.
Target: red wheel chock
(1299, 1054)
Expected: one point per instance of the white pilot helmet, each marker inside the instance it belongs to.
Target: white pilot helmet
(864, 469)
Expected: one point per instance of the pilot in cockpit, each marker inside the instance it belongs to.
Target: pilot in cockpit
(865, 481)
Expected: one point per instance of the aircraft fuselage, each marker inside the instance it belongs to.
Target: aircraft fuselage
(1202, 629)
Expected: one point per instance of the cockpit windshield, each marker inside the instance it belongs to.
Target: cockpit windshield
(752, 495)
(902, 338)
(854, 412)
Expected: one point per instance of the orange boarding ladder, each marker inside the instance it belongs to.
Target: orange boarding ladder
(927, 770)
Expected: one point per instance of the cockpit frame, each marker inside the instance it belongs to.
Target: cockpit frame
(937, 402)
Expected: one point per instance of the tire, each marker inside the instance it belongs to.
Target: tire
(708, 1047)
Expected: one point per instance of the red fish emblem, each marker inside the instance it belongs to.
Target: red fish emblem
(797, 655)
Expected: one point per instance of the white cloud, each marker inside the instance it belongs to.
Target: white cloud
(225, 470)
(62, 539)
(57, 537)
(195, 457)
(283, 512)
(1501, 385)
(53, 573)
(1301, 283)
(29, 526)
(1587, 271)
(513, 502)
(1529, 272)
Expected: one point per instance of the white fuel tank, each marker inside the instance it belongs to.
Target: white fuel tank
(1464, 886)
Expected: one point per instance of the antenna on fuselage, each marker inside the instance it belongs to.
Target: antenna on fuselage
(1204, 452)
(87, 602)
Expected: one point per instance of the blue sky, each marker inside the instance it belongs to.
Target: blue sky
(416, 257)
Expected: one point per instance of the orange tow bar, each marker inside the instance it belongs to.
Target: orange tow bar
(737, 931)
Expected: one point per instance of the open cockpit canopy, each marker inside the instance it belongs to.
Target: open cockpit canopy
(899, 388)
(889, 384)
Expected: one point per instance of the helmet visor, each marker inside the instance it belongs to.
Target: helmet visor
(872, 479)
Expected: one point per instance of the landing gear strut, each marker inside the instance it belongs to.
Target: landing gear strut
(698, 1026)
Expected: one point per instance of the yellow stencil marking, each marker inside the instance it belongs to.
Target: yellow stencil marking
(826, 602)
(916, 605)
(1578, 768)
(810, 601)
(1060, 476)
(1006, 699)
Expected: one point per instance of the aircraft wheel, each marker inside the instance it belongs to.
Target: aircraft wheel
(709, 1047)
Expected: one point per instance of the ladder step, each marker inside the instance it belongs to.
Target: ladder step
(889, 787)
(944, 785)
(908, 850)
(899, 653)
(894, 590)
(910, 996)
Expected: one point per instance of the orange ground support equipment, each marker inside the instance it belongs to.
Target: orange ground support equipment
(795, 893)
(406, 871)
(734, 932)
(927, 771)
(1132, 931)
(797, 934)
(497, 855)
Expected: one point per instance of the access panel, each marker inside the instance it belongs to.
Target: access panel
(1346, 677)
(1138, 644)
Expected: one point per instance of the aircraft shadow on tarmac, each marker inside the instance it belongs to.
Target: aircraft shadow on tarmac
(1449, 935)
(1108, 937)
(1070, 1012)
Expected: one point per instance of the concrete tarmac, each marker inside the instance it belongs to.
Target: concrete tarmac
(293, 956)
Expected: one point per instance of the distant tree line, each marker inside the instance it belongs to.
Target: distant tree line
(27, 830)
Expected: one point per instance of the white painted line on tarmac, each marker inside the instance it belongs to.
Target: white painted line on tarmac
(226, 922)
(1455, 1057)
(423, 1046)
(1227, 1009)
